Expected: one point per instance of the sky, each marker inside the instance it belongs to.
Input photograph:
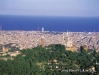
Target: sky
(82, 8)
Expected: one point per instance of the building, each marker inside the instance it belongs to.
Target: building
(15, 53)
(73, 49)
(85, 47)
(42, 42)
(4, 49)
(42, 29)
(67, 41)
(92, 69)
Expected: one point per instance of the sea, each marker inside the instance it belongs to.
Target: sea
(49, 23)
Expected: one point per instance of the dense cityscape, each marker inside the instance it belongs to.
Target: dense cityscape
(30, 39)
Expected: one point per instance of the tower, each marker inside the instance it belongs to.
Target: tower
(63, 39)
(42, 29)
(85, 47)
(4, 49)
(42, 42)
(67, 41)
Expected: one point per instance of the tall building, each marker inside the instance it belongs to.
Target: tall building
(63, 40)
(85, 47)
(42, 29)
(4, 49)
(67, 41)
(42, 42)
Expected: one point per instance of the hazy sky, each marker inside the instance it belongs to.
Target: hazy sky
(84, 8)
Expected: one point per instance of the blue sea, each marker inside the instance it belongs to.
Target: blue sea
(74, 24)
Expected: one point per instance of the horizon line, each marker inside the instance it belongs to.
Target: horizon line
(50, 16)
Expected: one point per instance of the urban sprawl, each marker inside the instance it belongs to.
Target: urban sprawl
(30, 39)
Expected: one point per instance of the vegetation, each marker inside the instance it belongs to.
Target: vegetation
(53, 60)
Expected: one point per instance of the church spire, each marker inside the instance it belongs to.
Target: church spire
(69, 40)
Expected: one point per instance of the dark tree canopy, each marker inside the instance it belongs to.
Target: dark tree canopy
(51, 60)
